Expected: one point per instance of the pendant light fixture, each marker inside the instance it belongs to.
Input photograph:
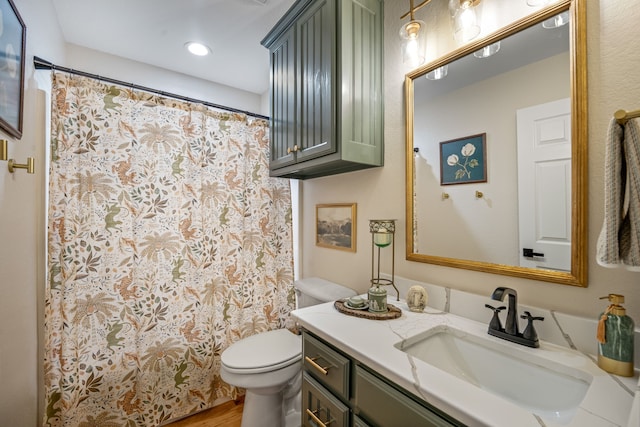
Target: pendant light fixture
(557, 21)
(438, 73)
(487, 51)
(413, 35)
(465, 20)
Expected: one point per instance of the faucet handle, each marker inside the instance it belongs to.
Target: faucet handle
(530, 332)
(527, 315)
(495, 320)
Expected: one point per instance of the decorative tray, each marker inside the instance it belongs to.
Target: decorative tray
(392, 312)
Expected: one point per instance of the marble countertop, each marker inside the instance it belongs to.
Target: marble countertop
(607, 402)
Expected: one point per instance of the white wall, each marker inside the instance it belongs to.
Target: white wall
(22, 232)
(613, 61)
(23, 206)
(118, 68)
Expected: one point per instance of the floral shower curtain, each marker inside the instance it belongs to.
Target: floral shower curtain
(168, 241)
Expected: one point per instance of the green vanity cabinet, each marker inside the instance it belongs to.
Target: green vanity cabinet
(282, 100)
(326, 383)
(357, 422)
(337, 390)
(320, 407)
(326, 88)
(383, 404)
(327, 365)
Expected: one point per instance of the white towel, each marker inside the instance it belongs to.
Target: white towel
(619, 240)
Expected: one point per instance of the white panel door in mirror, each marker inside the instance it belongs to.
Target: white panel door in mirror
(544, 185)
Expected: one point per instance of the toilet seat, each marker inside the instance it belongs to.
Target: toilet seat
(263, 352)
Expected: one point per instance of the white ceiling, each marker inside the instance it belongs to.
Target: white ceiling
(525, 47)
(155, 31)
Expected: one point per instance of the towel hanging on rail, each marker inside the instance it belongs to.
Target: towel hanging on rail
(619, 240)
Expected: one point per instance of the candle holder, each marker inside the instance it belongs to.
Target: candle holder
(382, 236)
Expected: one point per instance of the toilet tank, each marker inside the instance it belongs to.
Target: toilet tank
(314, 290)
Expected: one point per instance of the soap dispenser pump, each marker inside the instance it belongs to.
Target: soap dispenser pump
(615, 338)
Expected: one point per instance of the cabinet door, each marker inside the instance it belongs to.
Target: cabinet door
(283, 105)
(321, 408)
(316, 51)
(382, 405)
(360, 114)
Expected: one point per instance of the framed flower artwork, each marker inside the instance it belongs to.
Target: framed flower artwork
(463, 160)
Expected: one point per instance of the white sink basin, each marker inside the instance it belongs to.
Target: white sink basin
(550, 390)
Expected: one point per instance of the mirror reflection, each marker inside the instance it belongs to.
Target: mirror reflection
(491, 175)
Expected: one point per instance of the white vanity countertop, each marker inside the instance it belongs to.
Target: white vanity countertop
(607, 403)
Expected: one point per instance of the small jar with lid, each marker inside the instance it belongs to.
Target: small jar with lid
(377, 299)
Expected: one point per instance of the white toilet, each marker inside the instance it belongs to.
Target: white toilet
(268, 365)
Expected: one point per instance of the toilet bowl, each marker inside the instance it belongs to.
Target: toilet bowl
(269, 366)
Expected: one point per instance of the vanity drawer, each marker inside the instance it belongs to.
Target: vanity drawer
(321, 408)
(328, 366)
(357, 422)
(382, 405)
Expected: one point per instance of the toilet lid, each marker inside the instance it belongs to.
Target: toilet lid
(266, 351)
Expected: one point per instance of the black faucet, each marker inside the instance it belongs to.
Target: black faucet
(510, 332)
(511, 325)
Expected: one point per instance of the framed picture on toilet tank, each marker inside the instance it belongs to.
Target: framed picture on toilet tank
(12, 47)
(336, 226)
(463, 160)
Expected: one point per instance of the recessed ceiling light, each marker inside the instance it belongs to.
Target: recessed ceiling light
(197, 48)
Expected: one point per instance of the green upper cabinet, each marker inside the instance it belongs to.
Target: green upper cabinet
(283, 100)
(326, 88)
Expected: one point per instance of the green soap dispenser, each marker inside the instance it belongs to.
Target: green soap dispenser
(615, 338)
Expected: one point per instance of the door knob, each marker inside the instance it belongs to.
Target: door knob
(529, 253)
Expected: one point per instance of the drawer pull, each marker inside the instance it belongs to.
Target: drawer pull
(313, 363)
(312, 414)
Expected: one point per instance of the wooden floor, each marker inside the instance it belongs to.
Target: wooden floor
(228, 414)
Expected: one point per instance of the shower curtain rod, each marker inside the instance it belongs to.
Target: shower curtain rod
(42, 64)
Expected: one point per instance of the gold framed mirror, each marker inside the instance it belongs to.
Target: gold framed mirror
(527, 215)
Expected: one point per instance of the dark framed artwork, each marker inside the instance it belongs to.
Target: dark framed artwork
(13, 34)
(336, 226)
(463, 160)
